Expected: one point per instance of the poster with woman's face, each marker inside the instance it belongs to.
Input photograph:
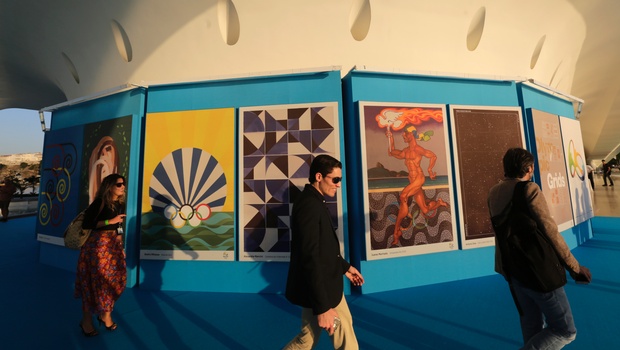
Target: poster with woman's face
(75, 161)
(105, 151)
(103, 162)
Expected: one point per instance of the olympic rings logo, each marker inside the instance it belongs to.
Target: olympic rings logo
(187, 214)
(576, 164)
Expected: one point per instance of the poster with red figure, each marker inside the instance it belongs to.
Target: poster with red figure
(408, 179)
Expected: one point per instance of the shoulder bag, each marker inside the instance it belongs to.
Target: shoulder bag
(75, 236)
(527, 255)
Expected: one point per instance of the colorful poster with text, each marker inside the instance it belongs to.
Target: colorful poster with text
(551, 167)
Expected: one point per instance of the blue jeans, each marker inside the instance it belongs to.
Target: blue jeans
(536, 309)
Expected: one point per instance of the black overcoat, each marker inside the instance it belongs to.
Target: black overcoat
(315, 272)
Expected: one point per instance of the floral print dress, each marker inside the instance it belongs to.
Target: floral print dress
(101, 270)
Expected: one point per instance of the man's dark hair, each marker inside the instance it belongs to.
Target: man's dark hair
(516, 162)
(323, 164)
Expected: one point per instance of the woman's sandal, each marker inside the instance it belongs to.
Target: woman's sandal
(88, 334)
(110, 328)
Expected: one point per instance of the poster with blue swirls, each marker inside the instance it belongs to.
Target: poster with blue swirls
(60, 183)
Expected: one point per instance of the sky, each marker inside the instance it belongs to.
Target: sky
(20, 131)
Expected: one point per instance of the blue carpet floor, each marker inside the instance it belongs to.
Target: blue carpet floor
(37, 310)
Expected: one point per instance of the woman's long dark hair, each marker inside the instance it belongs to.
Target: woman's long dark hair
(106, 188)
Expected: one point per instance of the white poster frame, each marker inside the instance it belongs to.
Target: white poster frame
(448, 239)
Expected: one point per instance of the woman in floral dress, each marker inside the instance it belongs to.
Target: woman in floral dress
(101, 269)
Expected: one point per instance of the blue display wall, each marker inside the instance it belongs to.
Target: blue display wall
(97, 119)
(240, 271)
(390, 88)
(256, 272)
(531, 97)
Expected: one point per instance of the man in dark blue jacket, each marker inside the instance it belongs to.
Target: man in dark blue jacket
(315, 272)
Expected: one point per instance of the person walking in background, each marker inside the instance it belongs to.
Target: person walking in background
(315, 272)
(545, 314)
(7, 189)
(101, 270)
(607, 174)
(590, 174)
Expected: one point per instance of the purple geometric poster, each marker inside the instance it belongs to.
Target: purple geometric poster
(277, 145)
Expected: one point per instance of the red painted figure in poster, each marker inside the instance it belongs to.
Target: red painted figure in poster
(413, 155)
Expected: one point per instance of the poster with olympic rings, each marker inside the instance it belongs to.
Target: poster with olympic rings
(188, 189)
(580, 193)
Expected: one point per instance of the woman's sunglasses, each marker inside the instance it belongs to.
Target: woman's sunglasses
(120, 184)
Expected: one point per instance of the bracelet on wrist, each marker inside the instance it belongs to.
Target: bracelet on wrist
(107, 222)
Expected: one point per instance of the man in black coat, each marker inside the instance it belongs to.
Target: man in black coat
(316, 267)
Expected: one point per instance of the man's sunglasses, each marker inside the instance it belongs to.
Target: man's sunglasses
(335, 180)
(120, 184)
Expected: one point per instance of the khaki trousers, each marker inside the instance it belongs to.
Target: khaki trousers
(343, 338)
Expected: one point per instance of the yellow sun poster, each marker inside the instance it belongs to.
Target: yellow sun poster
(188, 186)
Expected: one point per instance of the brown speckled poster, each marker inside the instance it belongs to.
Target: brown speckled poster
(481, 136)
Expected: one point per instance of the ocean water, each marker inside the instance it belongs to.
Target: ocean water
(401, 182)
(23, 206)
